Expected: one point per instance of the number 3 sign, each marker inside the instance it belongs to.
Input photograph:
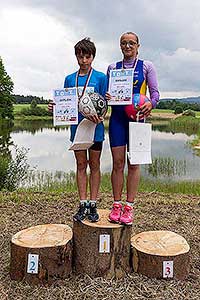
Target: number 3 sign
(168, 269)
(32, 266)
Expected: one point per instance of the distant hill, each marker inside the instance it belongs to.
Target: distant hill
(184, 100)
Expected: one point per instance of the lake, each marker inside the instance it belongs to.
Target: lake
(173, 159)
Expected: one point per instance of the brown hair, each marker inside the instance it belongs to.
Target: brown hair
(85, 46)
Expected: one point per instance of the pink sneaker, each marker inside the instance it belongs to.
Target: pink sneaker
(127, 215)
(115, 213)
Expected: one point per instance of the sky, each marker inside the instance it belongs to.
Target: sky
(37, 40)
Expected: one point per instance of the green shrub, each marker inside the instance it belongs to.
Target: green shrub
(14, 170)
(178, 110)
(36, 111)
(4, 162)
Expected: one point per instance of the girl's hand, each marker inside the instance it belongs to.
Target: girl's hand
(146, 109)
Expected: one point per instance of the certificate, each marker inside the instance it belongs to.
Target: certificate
(121, 86)
(65, 110)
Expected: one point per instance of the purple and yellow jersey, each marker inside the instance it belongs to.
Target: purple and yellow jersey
(144, 75)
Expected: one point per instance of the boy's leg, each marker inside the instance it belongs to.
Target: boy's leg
(81, 178)
(94, 180)
(81, 174)
(95, 176)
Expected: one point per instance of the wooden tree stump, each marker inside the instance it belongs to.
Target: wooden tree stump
(41, 253)
(101, 248)
(160, 254)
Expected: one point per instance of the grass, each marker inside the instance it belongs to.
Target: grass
(19, 107)
(156, 110)
(62, 182)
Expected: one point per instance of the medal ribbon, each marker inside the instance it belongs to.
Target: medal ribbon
(86, 83)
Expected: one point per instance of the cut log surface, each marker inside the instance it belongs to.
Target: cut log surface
(52, 243)
(101, 249)
(154, 251)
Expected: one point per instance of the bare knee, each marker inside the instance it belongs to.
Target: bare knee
(94, 165)
(81, 166)
(118, 165)
(133, 168)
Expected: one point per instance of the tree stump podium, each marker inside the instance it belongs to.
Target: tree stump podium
(101, 249)
(41, 253)
(160, 254)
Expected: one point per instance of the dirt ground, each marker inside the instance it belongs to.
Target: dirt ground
(163, 115)
(154, 211)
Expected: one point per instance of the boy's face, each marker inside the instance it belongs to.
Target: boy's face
(85, 61)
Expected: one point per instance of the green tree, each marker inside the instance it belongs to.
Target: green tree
(6, 97)
(178, 110)
(33, 104)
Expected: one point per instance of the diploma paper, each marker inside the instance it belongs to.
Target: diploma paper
(84, 137)
(121, 86)
(65, 112)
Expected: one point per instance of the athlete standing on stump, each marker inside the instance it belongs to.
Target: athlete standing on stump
(87, 77)
(144, 75)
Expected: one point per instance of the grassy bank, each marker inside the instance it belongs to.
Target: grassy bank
(19, 116)
(62, 182)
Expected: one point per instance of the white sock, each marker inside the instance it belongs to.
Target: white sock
(117, 201)
(130, 203)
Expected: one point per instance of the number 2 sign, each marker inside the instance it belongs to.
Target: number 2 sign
(168, 269)
(32, 266)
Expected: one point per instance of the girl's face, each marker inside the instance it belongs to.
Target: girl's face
(129, 45)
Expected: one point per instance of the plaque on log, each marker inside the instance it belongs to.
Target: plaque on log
(41, 253)
(160, 254)
(101, 249)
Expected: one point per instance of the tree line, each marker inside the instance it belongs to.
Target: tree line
(21, 99)
(174, 104)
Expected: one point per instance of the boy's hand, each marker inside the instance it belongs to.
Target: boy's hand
(50, 106)
(95, 118)
(108, 97)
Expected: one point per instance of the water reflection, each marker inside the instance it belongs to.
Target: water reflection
(172, 158)
(5, 138)
(166, 166)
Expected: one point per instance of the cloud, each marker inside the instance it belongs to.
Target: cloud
(180, 70)
(35, 50)
(38, 38)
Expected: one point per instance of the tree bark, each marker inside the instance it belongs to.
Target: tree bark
(160, 254)
(53, 245)
(92, 254)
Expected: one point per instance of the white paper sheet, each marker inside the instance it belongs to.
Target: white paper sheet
(121, 86)
(139, 143)
(65, 110)
(84, 137)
